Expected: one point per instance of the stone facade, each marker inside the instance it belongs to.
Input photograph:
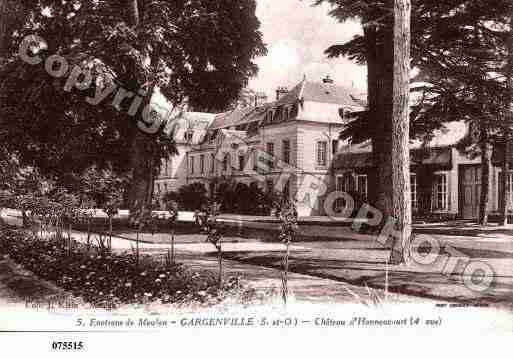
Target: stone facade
(287, 145)
(291, 146)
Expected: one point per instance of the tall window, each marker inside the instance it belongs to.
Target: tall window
(241, 163)
(340, 187)
(192, 164)
(339, 184)
(334, 146)
(202, 164)
(226, 162)
(286, 151)
(270, 153)
(269, 185)
(255, 159)
(440, 193)
(212, 163)
(509, 189)
(164, 170)
(322, 147)
(414, 197)
(362, 186)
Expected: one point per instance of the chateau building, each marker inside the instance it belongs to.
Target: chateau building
(445, 182)
(292, 146)
(282, 145)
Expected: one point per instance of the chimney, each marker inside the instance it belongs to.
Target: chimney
(328, 80)
(280, 92)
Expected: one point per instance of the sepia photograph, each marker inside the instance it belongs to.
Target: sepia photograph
(252, 177)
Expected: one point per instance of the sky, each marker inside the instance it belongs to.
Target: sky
(297, 35)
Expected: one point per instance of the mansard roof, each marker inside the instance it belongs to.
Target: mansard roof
(195, 122)
(231, 118)
(323, 93)
(304, 91)
(436, 151)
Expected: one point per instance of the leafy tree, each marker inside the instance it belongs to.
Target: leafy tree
(11, 13)
(197, 51)
(467, 83)
(450, 40)
(227, 196)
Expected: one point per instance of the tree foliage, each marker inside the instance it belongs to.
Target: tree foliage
(458, 50)
(201, 51)
(190, 197)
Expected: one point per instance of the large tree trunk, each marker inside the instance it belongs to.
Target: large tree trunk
(401, 130)
(505, 203)
(486, 165)
(4, 27)
(141, 186)
(380, 99)
(370, 34)
(140, 191)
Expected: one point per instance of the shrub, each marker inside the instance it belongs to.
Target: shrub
(113, 279)
(243, 199)
(189, 197)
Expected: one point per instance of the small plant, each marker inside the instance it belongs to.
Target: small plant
(287, 213)
(102, 246)
(144, 219)
(87, 215)
(108, 281)
(42, 211)
(172, 208)
(111, 207)
(68, 211)
(211, 227)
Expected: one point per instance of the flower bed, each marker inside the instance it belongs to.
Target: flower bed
(109, 280)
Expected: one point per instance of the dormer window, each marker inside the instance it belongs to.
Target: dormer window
(188, 136)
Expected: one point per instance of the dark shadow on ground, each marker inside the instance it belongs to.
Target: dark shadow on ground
(435, 286)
